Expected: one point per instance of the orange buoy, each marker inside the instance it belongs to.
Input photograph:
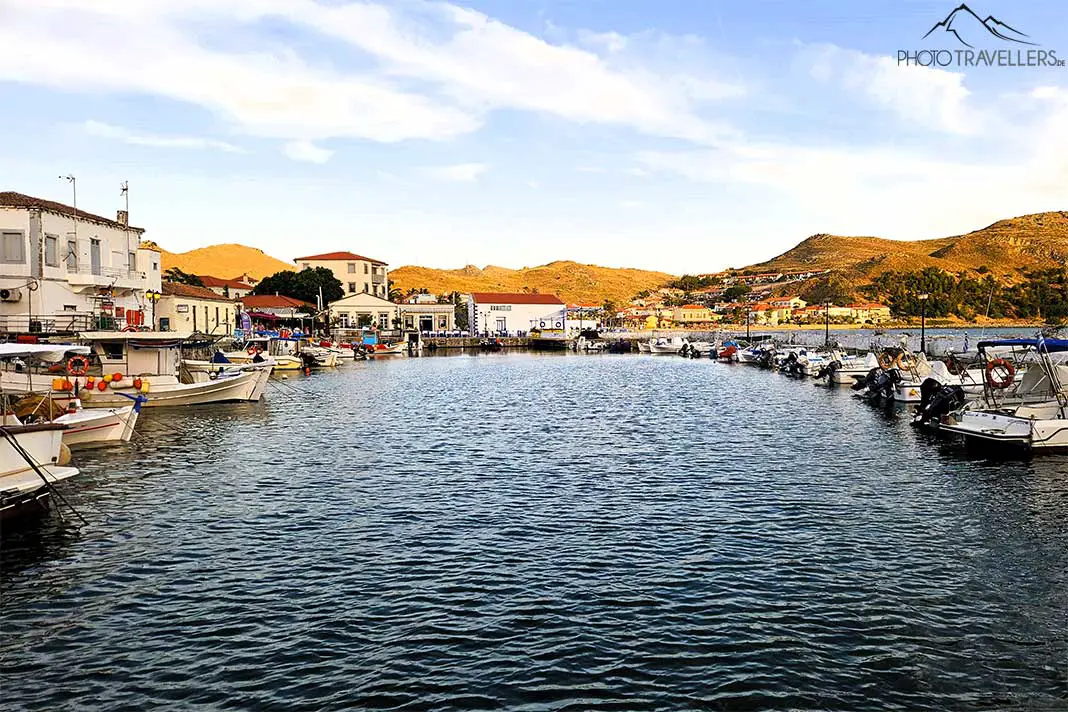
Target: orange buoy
(102, 386)
(117, 376)
(137, 384)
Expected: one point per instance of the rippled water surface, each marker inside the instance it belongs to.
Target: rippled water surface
(542, 532)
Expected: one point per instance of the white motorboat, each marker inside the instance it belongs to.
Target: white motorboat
(1031, 413)
(666, 346)
(32, 460)
(844, 369)
(644, 347)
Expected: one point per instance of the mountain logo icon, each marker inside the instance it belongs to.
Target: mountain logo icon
(965, 25)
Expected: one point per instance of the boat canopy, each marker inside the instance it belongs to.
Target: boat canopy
(135, 335)
(1048, 345)
(45, 352)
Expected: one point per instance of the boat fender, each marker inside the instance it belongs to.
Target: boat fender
(1009, 371)
(77, 365)
(214, 375)
(117, 376)
(145, 386)
(64, 455)
(102, 386)
(137, 384)
(250, 350)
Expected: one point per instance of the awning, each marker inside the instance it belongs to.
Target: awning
(1048, 345)
(265, 316)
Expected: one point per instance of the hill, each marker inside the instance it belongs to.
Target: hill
(571, 281)
(225, 261)
(1004, 249)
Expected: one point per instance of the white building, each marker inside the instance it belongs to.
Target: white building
(360, 310)
(63, 270)
(184, 307)
(357, 274)
(506, 314)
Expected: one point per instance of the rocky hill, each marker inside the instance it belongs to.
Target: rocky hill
(225, 261)
(571, 281)
(1004, 248)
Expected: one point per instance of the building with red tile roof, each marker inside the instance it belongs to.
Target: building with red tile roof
(355, 272)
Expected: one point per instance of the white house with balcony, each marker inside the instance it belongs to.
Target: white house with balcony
(357, 274)
(64, 270)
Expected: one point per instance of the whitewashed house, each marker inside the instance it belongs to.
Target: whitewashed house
(508, 314)
(357, 274)
(64, 270)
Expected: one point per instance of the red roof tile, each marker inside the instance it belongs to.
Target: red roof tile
(513, 298)
(11, 199)
(210, 281)
(272, 301)
(339, 256)
(177, 289)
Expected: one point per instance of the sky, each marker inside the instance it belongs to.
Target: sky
(679, 135)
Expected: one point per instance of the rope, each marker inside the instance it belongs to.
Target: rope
(17, 447)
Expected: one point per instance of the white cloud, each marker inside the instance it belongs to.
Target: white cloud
(438, 68)
(589, 169)
(102, 130)
(927, 97)
(630, 204)
(458, 173)
(637, 172)
(533, 184)
(307, 152)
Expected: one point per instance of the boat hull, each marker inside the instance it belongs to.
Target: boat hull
(99, 426)
(163, 390)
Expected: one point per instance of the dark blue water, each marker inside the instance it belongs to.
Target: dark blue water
(543, 532)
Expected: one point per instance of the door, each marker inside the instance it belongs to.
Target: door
(502, 324)
(94, 256)
(426, 323)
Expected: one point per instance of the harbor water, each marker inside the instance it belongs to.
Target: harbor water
(531, 532)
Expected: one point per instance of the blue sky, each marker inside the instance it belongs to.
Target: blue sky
(681, 135)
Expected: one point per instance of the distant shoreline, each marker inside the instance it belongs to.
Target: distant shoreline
(887, 326)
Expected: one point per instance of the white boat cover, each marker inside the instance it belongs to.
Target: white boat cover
(46, 352)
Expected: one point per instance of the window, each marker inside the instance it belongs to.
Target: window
(304, 265)
(181, 308)
(12, 248)
(72, 255)
(343, 319)
(132, 261)
(70, 307)
(216, 316)
(352, 287)
(51, 250)
(365, 287)
(352, 268)
(164, 323)
(383, 321)
(112, 350)
(155, 266)
(365, 265)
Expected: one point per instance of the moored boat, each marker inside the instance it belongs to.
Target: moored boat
(32, 460)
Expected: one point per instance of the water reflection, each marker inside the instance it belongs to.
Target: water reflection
(533, 531)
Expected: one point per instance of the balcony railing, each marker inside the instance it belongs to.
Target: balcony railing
(59, 323)
(377, 278)
(118, 272)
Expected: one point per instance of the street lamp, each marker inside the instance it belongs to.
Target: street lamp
(153, 297)
(827, 323)
(748, 314)
(923, 321)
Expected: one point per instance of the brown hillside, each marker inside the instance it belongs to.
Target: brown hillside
(1004, 248)
(571, 281)
(225, 261)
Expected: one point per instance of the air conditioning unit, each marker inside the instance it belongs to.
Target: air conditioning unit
(10, 295)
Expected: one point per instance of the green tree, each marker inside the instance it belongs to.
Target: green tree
(303, 285)
(735, 292)
(174, 274)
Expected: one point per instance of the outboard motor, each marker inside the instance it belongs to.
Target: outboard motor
(828, 370)
(937, 400)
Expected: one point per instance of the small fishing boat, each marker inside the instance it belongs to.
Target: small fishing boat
(33, 459)
(154, 357)
(280, 353)
(644, 347)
